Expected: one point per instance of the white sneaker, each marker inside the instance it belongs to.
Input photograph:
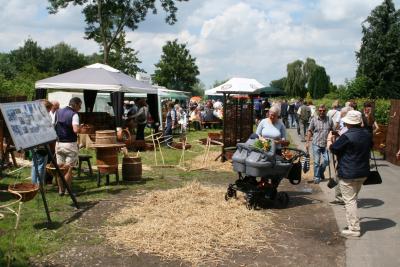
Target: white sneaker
(347, 233)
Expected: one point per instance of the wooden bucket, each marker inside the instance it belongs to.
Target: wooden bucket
(106, 137)
(107, 160)
(131, 168)
(87, 129)
(124, 136)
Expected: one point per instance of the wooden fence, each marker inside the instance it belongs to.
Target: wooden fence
(393, 133)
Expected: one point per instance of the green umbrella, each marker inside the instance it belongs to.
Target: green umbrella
(269, 91)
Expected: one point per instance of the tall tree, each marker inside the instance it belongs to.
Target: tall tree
(318, 83)
(308, 68)
(295, 81)
(379, 55)
(107, 19)
(124, 58)
(176, 69)
(218, 83)
(281, 83)
(198, 89)
(29, 55)
(62, 58)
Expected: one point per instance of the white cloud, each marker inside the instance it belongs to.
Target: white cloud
(336, 10)
(253, 38)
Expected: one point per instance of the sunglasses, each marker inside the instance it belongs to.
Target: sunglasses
(322, 110)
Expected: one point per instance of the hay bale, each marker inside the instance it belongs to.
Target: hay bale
(194, 224)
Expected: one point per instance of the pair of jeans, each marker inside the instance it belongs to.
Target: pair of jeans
(292, 120)
(319, 167)
(168, 133)
(303, 129)
(41, 166)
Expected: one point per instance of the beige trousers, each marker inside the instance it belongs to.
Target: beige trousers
(350, 189)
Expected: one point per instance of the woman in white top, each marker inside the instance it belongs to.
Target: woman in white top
(272, 127)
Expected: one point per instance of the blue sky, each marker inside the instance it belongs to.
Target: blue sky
(229, 38)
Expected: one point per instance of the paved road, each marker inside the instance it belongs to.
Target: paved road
(379, 210)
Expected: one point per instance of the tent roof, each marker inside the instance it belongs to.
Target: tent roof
(236, 86)
(96, 77)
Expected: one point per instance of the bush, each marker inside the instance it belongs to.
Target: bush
(382, 107)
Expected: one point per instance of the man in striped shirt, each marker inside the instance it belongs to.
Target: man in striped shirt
(318, 132)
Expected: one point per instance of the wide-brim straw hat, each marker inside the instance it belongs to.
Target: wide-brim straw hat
(352, 117)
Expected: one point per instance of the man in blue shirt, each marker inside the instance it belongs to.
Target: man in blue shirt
(353, 151)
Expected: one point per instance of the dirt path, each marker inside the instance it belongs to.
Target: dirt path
(306, 235)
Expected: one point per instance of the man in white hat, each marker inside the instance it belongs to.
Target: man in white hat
(353, 151)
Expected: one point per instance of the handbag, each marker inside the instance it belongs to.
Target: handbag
(373, 177)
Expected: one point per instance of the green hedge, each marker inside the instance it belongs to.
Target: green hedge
(382, 107)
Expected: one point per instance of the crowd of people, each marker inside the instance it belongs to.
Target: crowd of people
(343, 132)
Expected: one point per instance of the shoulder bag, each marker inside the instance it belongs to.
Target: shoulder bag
(373, 177)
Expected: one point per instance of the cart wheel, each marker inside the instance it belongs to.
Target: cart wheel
(273, 193)
(250, 202)
(295, 182)
(226, 197)
(230, 193)
(282, 200)
(249, 206)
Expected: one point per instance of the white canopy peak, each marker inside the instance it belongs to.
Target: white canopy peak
(102, 66)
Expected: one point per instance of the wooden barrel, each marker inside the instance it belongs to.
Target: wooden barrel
(131, 169)
(107, 160)
(106, 137)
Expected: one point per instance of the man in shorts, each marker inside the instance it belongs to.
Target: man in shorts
(67, 128)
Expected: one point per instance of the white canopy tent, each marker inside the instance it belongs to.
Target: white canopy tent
(236, 86)
(97, 77)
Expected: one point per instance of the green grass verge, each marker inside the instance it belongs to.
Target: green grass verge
(36, 238)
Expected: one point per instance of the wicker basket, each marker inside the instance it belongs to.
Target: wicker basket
(27, 190)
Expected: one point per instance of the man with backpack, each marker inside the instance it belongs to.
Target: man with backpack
(318, 131)
(304, 114)
(292, 114)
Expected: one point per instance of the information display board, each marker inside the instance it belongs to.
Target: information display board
(29, 123)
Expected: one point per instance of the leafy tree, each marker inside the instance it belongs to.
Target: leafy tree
(280, 84)
(305, 78)
(62, 58)
(198, 89)
(124, 58)
(355, 88)
(295, 81)
(107, 19)
(379, 55)
(218, 83)
(176, 69)
(318, 82)
(7, 69)
(308, 68)
(29, 55)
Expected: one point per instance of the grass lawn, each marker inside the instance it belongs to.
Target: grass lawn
(36, 238)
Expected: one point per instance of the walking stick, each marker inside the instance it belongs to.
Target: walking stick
(329, 164)
(332, 183)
